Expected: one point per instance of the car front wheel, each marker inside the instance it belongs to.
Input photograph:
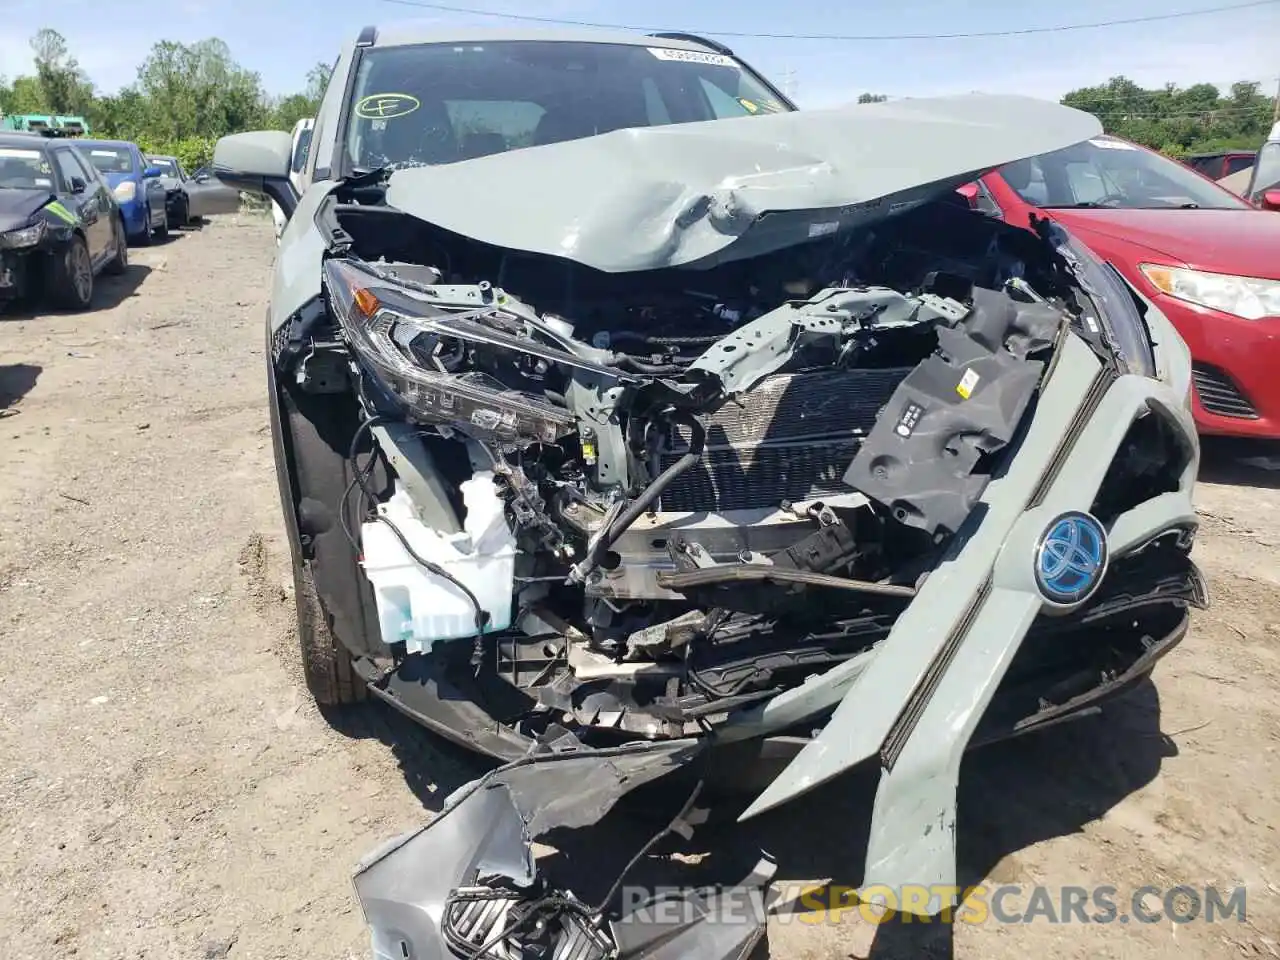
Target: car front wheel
(71, 277)
(330, 674)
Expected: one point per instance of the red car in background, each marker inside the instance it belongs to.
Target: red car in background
(1208, 259)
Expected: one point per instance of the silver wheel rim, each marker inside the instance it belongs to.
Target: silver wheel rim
(81, 272)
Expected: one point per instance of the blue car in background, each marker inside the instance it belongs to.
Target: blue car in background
(136, 186)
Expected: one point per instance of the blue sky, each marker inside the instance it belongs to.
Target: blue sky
(281, 39)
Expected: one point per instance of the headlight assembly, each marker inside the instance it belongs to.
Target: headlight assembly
(1117, 311)
(419, 350)
(1250, 298)
(125, 191)
(27, 236)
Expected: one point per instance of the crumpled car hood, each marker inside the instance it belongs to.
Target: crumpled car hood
(17, 206)
(703, 193)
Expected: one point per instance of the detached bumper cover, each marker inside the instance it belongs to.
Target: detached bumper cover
(13, 274)
(916, 705)
(466, 884)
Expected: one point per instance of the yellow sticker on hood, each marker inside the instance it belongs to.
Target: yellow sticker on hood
(387, 106)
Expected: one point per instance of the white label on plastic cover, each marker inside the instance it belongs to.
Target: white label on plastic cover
(1113, 145)
(967, 383)
(693, 56)
(823, 229)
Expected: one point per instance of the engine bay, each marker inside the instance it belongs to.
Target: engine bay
(633, 503)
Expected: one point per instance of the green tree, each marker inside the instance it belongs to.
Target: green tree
(63, 85)
(317, 82)
(290, 110)
(872, 98)
(26, 96)
(1198, 118)
(197, 90)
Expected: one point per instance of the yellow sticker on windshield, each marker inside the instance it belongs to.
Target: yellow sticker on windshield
(387, 106)
(61, 212)
(748, 105)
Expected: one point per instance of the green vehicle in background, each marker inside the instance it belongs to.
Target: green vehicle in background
(67, 126)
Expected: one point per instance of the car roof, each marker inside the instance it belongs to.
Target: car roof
(404, 33)
(90, 142)
(23, 141)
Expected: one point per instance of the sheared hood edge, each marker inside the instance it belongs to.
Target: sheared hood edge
(698, 194)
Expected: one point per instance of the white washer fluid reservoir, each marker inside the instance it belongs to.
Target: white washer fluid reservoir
(419, 608)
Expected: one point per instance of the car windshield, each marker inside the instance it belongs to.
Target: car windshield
(441, 103)
(111, 159)
(1266, 173)
(167, 166)
(1105, 172)
(24, 170)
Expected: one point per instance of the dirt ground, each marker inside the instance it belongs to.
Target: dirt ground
(168, 791)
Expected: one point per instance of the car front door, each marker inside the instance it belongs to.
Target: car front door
(88, 203)
(207, 196)
(155, 191)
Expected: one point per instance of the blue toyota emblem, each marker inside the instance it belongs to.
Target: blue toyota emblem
(1071, 557)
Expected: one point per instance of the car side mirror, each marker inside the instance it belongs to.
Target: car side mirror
(151, 173)
(258, 163)
(1270, 199)
(78, 185)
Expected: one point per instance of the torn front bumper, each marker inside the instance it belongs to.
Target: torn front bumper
(14, 271)
(916, 703)
(466, 884)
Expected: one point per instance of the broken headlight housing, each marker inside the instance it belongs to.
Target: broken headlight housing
(1117, 309)
(409, 342)
(27, 236)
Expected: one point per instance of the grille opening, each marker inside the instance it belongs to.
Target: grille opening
(1149, 461)
(1219, 394)
(791, 438)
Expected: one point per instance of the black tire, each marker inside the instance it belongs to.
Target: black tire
(118, 264)
(144, 238)
(183, 216)
(162, 231)
(70, 277)
(330, 674)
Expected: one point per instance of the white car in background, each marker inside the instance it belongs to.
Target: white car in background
(297, 168)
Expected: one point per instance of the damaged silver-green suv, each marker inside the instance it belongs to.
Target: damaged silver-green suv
(623, 412)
